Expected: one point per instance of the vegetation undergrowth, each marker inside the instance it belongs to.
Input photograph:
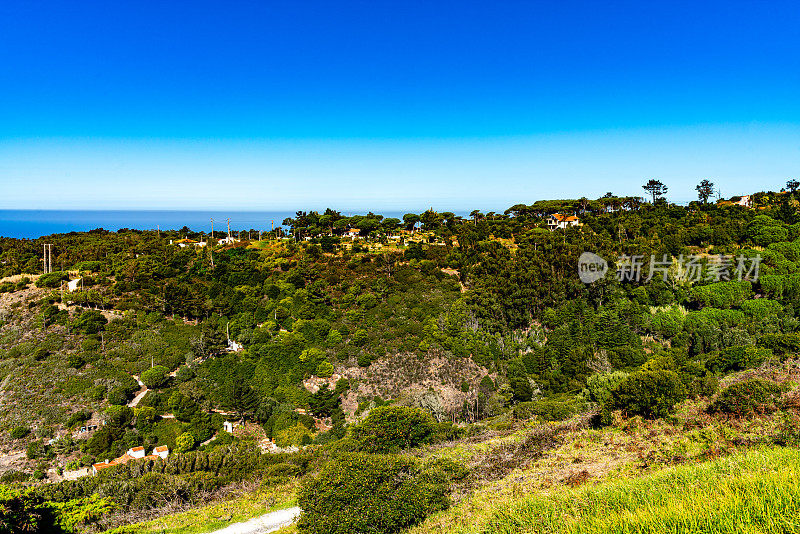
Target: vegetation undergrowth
(218, 515)
(755, 491)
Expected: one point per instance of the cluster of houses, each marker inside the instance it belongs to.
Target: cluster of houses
(188, 243)
(134, 453)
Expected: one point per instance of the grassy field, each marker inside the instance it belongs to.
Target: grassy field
(218, 515)
(751, 492)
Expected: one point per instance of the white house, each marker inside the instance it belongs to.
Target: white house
(557, 220)
(136, 452)
(162, 451)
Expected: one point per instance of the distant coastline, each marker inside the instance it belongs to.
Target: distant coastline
(31, 224)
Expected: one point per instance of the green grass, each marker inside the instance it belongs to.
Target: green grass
(757, 491)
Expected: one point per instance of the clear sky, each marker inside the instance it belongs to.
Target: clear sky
(458, 105)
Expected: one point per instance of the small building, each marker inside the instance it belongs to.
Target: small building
(352, 232)
(88, 428)
(557, 220)
(229, 427)
(134, 453)
(227, 241)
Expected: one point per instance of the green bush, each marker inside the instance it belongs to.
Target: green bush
(155, 377)
(369, 494)
(325, 369)
(390, 428)
(76, 360)
(117, 396)
(649, 393)
(52, 279)
(549, 410)
(90, 322)
(737, 358)
(185, 442)
(747, 398)
(19, 432)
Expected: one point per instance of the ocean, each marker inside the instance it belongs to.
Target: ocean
(30, 224)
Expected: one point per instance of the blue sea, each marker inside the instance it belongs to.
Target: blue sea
(30, 224)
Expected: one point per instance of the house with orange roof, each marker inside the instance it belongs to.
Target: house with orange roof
(557, 220)
(134, 453)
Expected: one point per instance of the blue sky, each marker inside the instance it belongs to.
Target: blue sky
(459, 105)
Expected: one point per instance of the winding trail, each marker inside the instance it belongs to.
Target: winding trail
(139, 396)
(263, 524)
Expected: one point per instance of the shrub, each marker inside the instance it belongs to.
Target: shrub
(76, 360)
(600, 385)
(649, 393)
(96, 393)
(549, 410)
(12, 476)
(51, 279)
(24, 511)
(90, 322)
(389, 428)
(367, 300)
(185, 442)
(334, 337)
(360, 338)
(747, 398)
(155, 377)
(19, 432)
(367, 494)
(117, 396)
(737, 358)
(325, 369)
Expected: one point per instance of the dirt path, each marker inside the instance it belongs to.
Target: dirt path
(139, 396)
(263, 524)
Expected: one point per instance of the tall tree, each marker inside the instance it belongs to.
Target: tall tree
(656, 189)
(410, 220)
(704, 190)
(792, 185)
(239, 397)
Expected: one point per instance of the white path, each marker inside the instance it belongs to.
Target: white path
(263, 524)
(139, 396)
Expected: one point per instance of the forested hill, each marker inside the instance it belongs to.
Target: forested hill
(296, 337)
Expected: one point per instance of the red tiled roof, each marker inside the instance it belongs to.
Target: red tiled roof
(562, 218)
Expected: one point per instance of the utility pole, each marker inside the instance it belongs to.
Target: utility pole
(158, 230)
(48, 258)
(229, 227)
(212, 227)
